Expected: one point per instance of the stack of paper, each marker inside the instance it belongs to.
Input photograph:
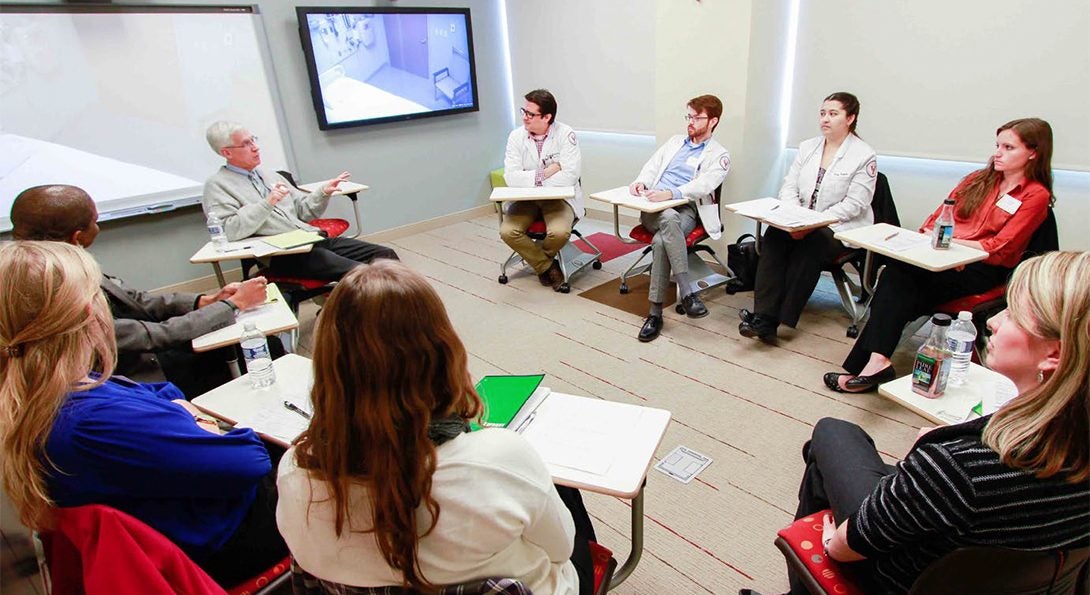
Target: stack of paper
(293, 239)
(279, 421)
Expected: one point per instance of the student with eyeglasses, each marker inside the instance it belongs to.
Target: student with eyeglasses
(692, 166)
(542, 152)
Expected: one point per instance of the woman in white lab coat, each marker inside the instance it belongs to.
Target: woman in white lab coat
(833, 174)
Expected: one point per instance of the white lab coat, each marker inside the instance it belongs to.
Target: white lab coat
(521, 161)
(710, 173)
(847, 188)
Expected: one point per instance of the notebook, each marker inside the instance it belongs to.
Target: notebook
(293, 239)
(510, 401)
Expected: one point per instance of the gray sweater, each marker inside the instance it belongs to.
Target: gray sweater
(245, 212)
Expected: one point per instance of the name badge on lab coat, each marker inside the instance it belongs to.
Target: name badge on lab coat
(1008, 203)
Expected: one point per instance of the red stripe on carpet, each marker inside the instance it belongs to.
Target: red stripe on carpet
(610, 246)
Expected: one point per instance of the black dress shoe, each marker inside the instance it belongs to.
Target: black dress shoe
(759, 326)
(745, 315)
(859, 384)
(651, 328)
(694, 308)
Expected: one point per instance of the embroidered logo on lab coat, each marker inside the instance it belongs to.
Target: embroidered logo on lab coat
(872, 168)
(571, 137)
(724, 162)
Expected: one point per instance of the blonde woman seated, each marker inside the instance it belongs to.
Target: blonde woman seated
(74, 435)
(1019, 478)
(388, 487)
(833, 174)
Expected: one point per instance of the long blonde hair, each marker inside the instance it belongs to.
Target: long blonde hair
(55, 330)
(387, 362)
(1046, 429)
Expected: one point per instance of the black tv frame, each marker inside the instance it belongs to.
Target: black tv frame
(301, 13)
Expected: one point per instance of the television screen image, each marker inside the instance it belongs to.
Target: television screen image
(371, 65)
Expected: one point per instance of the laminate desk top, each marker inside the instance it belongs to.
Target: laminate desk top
(510, 193)
(877, 238)
(954, 406)
(270, 318)
(621, 197)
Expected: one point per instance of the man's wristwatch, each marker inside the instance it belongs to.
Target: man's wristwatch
(234, 308)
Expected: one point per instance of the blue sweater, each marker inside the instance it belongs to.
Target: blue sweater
(126, 445)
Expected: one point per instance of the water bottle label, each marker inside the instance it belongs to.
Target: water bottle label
(923, 370)
(252, 353)
(943, 235)
(215, 229)
(958, 347)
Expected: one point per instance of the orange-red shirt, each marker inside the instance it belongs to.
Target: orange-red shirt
(1004, 236)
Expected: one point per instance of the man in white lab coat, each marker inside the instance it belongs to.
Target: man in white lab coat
(688, 166)
(541, 152)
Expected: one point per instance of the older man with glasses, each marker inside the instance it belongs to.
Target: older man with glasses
(251, 200)
(688, 166)
(541, 152)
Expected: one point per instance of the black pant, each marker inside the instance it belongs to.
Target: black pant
(788, 271)
(330, 259)
(905, 293)
(584, 533)
(256, 545)
(842, 468)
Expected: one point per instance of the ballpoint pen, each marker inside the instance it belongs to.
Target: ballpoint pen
(292, 407)
(890, 236)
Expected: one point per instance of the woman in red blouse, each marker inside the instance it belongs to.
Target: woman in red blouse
(996, 209)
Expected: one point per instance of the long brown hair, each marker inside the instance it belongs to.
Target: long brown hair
(55, 329)
(1046, 430)
(1036, 134)
(386, 363)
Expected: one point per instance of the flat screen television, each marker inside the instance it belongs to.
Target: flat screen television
(386, 64)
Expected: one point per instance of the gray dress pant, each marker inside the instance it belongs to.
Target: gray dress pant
(668, 254)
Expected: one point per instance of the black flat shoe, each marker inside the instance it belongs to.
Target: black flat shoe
(694, 308)
(651, 328)
(860, 384)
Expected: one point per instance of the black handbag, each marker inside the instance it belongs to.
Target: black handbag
(742, 260)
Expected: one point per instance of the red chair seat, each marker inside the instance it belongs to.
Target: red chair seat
(804, 538)
(970, 302)
(643, 235)
(332, 227)
(604, 564)
(262, 580)
(303, 282)
(537, 228)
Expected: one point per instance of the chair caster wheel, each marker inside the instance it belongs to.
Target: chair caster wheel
(564, 288)
(679, 308)
(596, 265)
(729, 289)
(503, 279)
(853, 331)
(624, 288)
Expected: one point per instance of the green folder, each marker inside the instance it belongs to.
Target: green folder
(504, 397)
(292, 239)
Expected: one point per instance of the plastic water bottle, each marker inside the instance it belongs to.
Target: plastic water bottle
(931, 369)
(255, 349)
(960, 341)
(943, 232)
(215, 231)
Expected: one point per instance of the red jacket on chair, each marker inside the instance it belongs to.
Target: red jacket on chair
(96, 549)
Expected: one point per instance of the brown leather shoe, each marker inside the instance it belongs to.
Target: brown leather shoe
(546, 277)
(556, 276)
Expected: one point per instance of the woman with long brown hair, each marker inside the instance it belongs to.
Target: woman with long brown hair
(387, 486)
(996, 209)
(71, 434)
(1018, 478)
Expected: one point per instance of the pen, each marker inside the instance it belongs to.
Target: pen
(292, 407)
(774, 207)
(526, 422)
(890, 236)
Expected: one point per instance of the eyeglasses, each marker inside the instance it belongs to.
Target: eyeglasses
(689, 118)
(246, 144)
(526, 114)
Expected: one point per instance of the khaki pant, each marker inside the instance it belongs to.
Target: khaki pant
(559, 220)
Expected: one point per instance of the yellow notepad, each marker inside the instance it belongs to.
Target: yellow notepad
(293, 239)
(272, 294)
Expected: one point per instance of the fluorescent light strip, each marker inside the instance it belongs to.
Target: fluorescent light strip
(789, 68)
(507, 60)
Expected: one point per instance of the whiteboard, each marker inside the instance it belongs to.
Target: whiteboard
(116, 100)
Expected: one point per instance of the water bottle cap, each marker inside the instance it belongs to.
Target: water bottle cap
(940, 320)
(249, 325)
(965, 315)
